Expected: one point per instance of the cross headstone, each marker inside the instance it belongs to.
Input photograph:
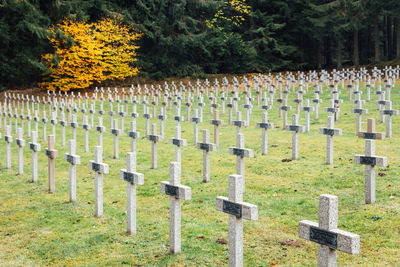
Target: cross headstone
(74, 125)
(62, 122)
(52, 154)
(73, 160)
(265, 125)
(285, 109)
(115, 132)
(147, 116)
(370, 161)
(206, 146)
(295, 128)
(237, 210)
(240, 152)
(176, 192)
(9, 139)
(359, 111)
(178, 142)
(330, 131)
(86, 127)
(307, 109)
(389, 112)
(239, 123)
(154, 138)
(195, 120)
(44, 121)
(133, 134)
(132, 178)
(326, 233)
(216, 122)
(20, 143)
(35, 147)
(332, 109)
(99, 169)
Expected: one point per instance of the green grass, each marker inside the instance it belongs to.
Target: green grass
(37, 228)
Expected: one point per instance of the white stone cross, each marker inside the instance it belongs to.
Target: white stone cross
(216, 122)
(206, 146)
(115, 132)
(35, 147)
(100, 129)
(162, 117)
(132, 178)
(133, 134)
(370, 161)
(147, 116)
(74, 125)
(53, 122)
(73, 160)
(299, 102)
(265, 125)
(247, 106)
(381, 104)
(62, 123)
(196, 120)
(330, 131)
(359, 111)
(326, 233)
(178, 142)
(44, 121)
(307, 109)
(99, 169)
(111, 113)
(237, 210)
(9, 139)
(332, 109)
(122, 115)
(20, 143)
(52, 154)
(86, 127)
(238, 122)
(176, 192)
(154, 138)
(284, 108)
(389, 112)
(230, 106)
(295, 128)
(178, 118)
(240, 152)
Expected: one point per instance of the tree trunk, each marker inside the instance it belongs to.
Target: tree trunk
(328, 53)
(339, 53)
(389, 36)
(398, 38)
(376, 39)
(320, 48)
(356, 59)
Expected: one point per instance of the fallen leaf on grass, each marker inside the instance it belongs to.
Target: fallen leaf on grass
(200, 237)
(290, 242)
(382, 174)
(222, 241)
(286, 160)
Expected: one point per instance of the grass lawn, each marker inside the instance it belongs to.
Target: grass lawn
(37, 228)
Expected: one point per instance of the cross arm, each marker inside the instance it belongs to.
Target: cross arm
(98, 167)
(73, 159)
(239, 209)
(328, 131)
(178, 191)
(337, 239)
(375, 160)
(131, 177)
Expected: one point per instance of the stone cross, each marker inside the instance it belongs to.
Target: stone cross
(326, 233)
(20, 143)
(86, 127)
(295, 128)
(196, 120)
(9, 139)
(147, 116)
(62, 123)
(52, 154)
(239, 123)
(307, 109)
(332, 109)
(176, 192)
(381, 104)
(330, 131)
(99, 168)
(53, 122)
(100, 129)
(16, 120)
(240, 152)
(230, 106)
(265, 125)
(299, 102)
(122, 115)
(133, 134)
(132, 178)
(370, 133)
(178, 142)
(178, 118)
(216, 122)
(115, 131)
(35, 147)
(162, 117)
(389, 112)
(359, 111)
(44, 121)
(74, 125)
(154, 138)
(111, 113)
(237, 210)
(285, 109)
(29, 119)
(370, 161)
(247, 106)
(206, 146)
(35, 119)
(73, 160)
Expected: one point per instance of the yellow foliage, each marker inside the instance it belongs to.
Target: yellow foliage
(102, 50)
(239, 8)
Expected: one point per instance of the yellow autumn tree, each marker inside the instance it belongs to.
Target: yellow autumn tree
(87, 53)
(238, 10)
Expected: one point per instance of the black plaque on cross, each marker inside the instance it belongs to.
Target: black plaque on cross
(367, 160)
(328, 131)
(323, 237)
(232, 208)
(128, 177)
(171, 190)
(238, 152)
(204, 146)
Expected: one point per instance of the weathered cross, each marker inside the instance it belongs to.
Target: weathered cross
(73, 160)
(330, 131)
(285, 109)
(326, 233)
(154, 138)
(86, 127)
(206, 146)
(295, 128)
(178, 142)
(176, 191)
(100, 130)
(389, 112)
(20, 143)
(240, 152)
(216, 122)
(132, 178)
(9, 139)
(237, 210)
(35, 147)
(196, 120)
(307, 109)
(99, 168)
(52, 154)
(115, 131)
(359, 111)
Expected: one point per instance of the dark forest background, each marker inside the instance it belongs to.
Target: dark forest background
(276, 35)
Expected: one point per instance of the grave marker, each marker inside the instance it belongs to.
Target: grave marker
(206, 146)
(265, 125)
(20, 143)
(73, 160)
(330, 131)
(295, 128)
(99, 169)
(52, 154)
